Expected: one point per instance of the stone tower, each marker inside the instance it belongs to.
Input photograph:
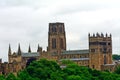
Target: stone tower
(100, 50)
(56, 37)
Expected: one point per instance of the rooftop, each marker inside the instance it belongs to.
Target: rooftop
(76, 59)
(86, 51)
(32, 54)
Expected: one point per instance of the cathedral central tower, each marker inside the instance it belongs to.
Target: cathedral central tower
(56, 37)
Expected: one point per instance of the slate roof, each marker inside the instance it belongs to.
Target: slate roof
(86, 51)
(76, 59)
(32, 54)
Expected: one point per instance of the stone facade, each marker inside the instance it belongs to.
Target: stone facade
(98, 56)
(100, 50)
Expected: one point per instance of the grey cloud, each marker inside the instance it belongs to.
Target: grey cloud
(78, 8)
(84, 6)
(17, 2)
(21, 22)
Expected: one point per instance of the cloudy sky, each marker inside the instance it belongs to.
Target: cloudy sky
(26, 22)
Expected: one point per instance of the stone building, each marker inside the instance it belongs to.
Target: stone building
(98, 56)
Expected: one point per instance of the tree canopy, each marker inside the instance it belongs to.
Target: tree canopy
(116, 57)
(50, 70)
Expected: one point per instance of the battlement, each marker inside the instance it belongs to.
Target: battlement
(56, 23)
(100, 35)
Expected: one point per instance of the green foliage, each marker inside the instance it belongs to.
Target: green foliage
(116, 57)
(66, 62)
(50, 70)
(74, 77)
(44, 69)
(74, 69)
(11, 77)
(117, 70)
(2, 77)
(23, 75)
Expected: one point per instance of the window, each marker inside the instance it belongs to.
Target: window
(109, 43)
(61, 43)
(92, 50)
(105, 50)
(93, 66)
(54, 29)
(101, 50)
(109, 50)
(60, 29)
(102, 43)
(74, 56)
(105, 61)
(93, 43)
(53, 43)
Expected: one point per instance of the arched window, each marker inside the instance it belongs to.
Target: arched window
(54, 29)
(60, 30)
(105, 60)
(53, 43)
(61, 43)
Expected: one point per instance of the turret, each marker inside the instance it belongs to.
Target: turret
(102, 35)
(110, 35)
(97, 34)
(29, 49)
(9, 50)
(93, 35)
(89, 34)
(19, 50)
(106, 35)
(39, 49)
(0, 61)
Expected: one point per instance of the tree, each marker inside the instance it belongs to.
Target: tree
(117, 70)
(66, 62)
(44, 69)
(2, 77)
(74, 77)
(23, 75)
(116, 57)
(74, 69)
(11, 77)
(50, 70)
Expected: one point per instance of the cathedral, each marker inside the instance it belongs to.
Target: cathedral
(98, 56)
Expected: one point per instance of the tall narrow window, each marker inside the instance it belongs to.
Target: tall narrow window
(109, 43)
(105, 50)
(61, 43)
(54, 29)
(105, 60)
(60, 30)
(93, 66)
(53, 43)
